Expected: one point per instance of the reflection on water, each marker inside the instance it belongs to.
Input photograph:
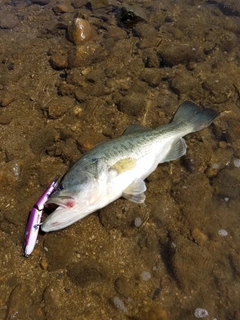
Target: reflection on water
(63, 91)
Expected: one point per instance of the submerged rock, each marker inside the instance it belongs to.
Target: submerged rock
(81, 55)
(128, 16)
(80, 31)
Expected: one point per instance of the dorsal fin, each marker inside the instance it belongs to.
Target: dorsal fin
(134, 127)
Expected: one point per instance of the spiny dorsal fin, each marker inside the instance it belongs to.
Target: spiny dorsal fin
(134, 128)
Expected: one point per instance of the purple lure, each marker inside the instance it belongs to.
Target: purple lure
(34, 219)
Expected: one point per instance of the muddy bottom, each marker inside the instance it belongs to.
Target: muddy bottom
(62, 91)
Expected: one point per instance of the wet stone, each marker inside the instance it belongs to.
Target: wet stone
(99, 3)
(59, 106)
(199, 236)
(59, 61)
(10, 173)
(124, 286)
(81, 56)
(43, 139)
(115, 33)
(68, 150)
(184, 261)
(228, 41)
(5, 119)
(16, 304)
(153, 76)
(5, 100)
(178, 53)
(80, 31)
(8, 20)
(124, 217)
(44, 264)
(128, 16)
(89, 139)
(59, 252)
(5, 226)
(40, 2)
(79, 3)
(184, 82)
(85, 275)
(132, 104)
(151, 59)
(66, 89)
(62, 7)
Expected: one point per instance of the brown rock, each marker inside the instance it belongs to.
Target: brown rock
(59, 61)
(44, 264)
(179, 53)
(6, 100)
(5, 119)
(62, 7)
(81, 55)
(79, 3)
(89, 139)
(80, 31)
(40, 2)
(133, 104)
(99, 3)
(124, 286)
(200, 237)
(59, 106)
(10, 173)
(8, 20)
(43, 139)
(59, 252)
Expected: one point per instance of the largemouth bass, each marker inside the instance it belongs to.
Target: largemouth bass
(117, 167)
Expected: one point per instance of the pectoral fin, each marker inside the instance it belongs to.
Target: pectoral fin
(135, 192)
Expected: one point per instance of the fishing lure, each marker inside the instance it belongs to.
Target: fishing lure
(34, 219)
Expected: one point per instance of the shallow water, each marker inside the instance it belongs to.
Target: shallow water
(180, 250)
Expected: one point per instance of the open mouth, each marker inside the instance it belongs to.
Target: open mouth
(48, 209)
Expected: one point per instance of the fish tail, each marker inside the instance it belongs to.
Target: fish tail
(194, 117)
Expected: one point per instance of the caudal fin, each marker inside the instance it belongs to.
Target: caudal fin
(194, 117)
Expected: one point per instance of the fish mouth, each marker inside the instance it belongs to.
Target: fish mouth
(50, 207)
(58, 208)
(54, 221)
(62, 215)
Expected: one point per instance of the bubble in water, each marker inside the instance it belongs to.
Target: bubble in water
(138, 222)
(145, 275)
(222, 233)
(119, 304)
(200, 313)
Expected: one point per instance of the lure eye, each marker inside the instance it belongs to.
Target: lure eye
(60, 187)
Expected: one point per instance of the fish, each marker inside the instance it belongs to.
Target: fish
(34, 219)
(118, 167)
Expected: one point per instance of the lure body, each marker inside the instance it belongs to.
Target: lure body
(34, 219)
